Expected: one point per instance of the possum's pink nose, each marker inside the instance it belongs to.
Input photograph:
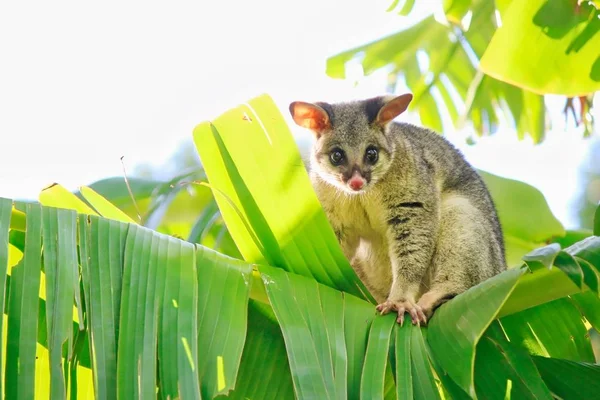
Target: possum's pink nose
(356, 182)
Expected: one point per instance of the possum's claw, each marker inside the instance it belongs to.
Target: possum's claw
(414, 310)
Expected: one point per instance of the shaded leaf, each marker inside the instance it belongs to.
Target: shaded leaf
(553, 329)
(569, 379)
(499, 363)
(264, 351)
(456, 326)
(588, 304)
(570, 267)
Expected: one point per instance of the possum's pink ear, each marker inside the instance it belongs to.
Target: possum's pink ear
(311, 116)
(393, 108)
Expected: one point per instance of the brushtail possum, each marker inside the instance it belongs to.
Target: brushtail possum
(413, 217)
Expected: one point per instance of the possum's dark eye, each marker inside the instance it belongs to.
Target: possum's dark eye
(336, 157)
(371, 155)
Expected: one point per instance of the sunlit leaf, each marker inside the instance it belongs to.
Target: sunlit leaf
(103, 206)
(266, 198)
(56, 195)
(456, 9)
(564, 36)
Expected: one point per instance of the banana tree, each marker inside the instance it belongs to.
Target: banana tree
(490, 61)
(100, 306)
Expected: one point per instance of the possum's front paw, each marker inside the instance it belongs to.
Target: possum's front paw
(414, 310)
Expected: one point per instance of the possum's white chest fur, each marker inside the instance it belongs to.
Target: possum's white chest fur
(361, 223)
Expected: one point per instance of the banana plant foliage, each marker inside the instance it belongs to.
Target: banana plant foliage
(98, 306)
(491, 61)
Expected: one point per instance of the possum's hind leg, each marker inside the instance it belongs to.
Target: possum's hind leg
(463, 256)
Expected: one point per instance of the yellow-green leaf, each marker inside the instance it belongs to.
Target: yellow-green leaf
(548, 47)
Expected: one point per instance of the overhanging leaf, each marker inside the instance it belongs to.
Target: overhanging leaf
(456, 9)
(561, 33)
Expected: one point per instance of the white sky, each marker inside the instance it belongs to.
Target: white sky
(83, 84)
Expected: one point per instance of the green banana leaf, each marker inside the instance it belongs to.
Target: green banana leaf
(561, 55)
(450, 81)
(132, 312)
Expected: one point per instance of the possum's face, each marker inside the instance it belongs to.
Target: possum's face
(352, 150)
(352, 158)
